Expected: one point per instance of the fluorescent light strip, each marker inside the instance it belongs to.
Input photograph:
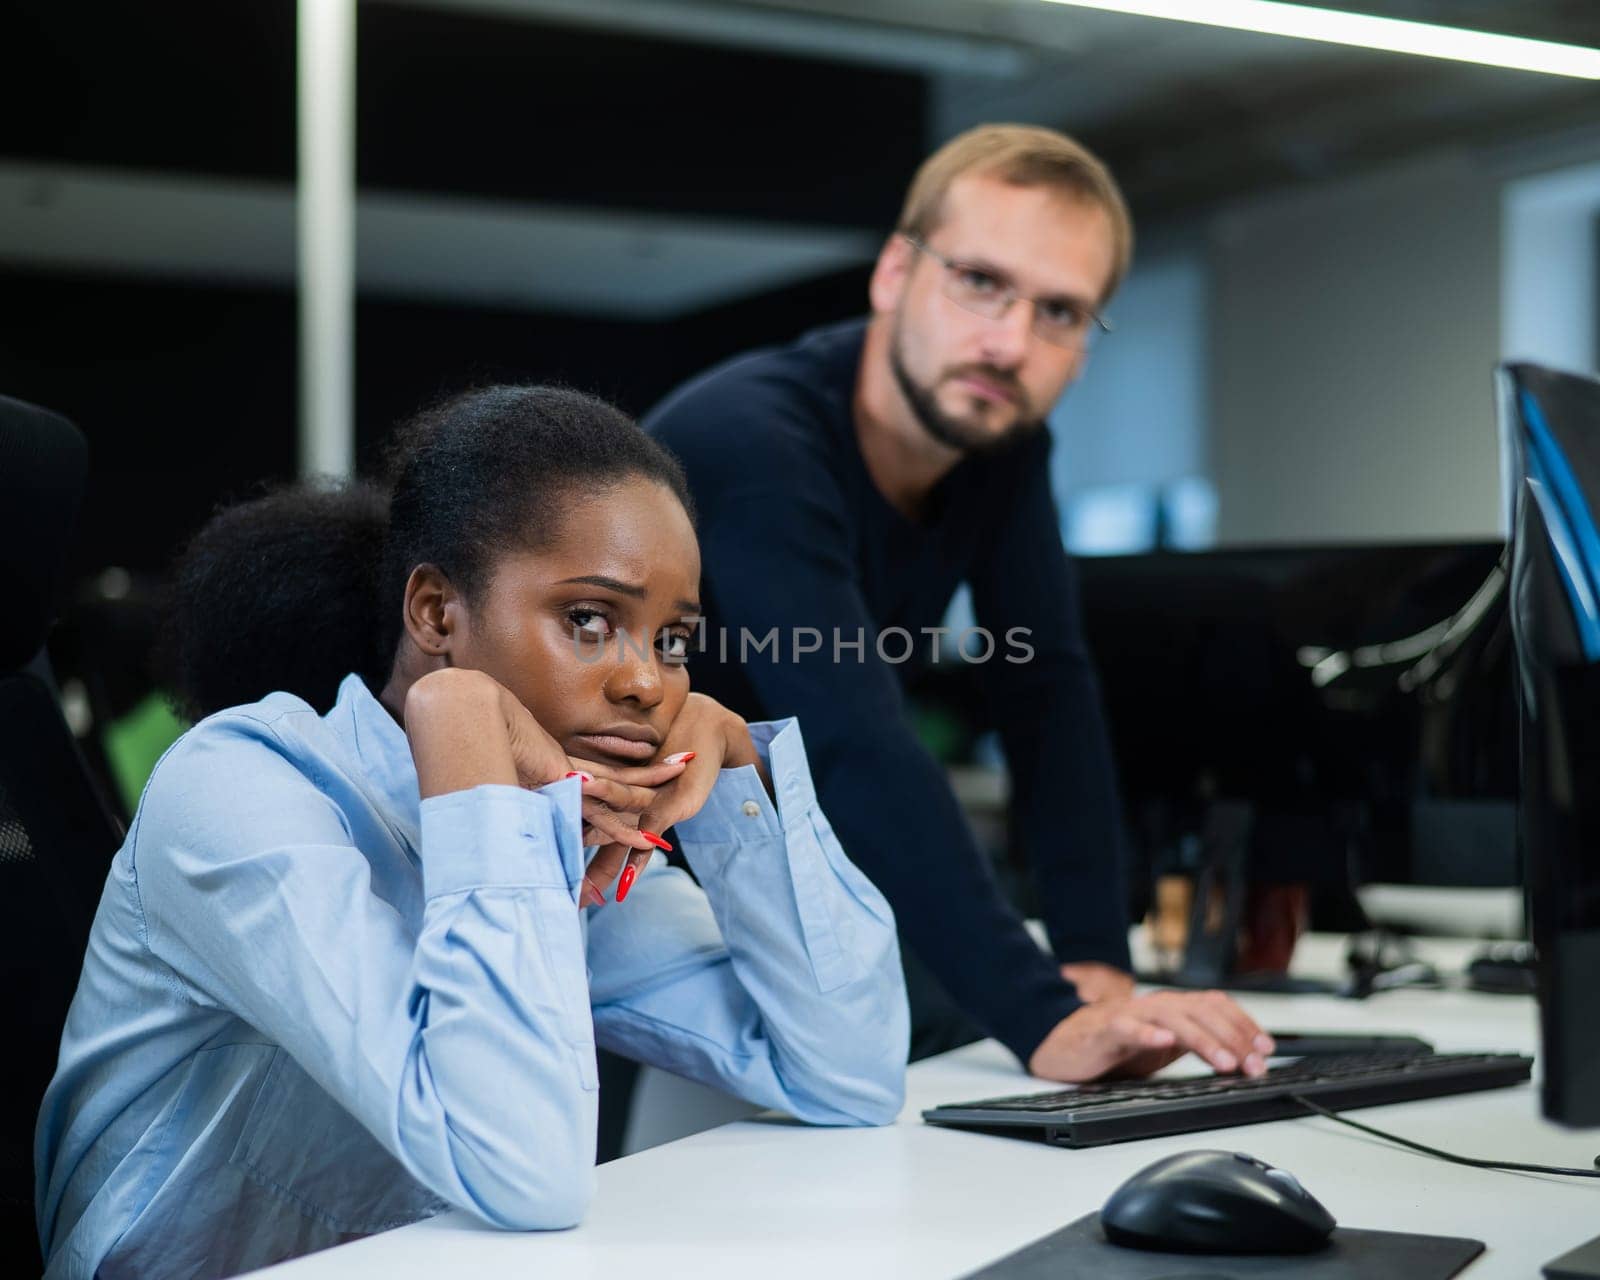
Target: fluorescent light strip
(1395, 35)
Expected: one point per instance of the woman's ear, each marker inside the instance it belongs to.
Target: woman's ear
(432, 611)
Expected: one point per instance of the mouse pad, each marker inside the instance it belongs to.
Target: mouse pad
(1081, 1250)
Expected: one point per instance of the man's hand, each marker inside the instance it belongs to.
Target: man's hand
(1136, 1035)
(1097, 982)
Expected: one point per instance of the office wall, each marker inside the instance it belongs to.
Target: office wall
(1551, 267)
(1138, 413)
(1355, 331)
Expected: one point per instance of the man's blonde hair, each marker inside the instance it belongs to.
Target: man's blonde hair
(1027, 156)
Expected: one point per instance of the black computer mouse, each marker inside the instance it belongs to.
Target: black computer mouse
(1215, 1202)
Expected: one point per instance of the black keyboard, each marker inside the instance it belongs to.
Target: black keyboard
(1093, 1114)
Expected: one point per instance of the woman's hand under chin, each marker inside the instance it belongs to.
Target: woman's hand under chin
(705, 739)
(466, 729)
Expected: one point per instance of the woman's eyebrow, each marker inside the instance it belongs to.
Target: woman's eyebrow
(610, 584)
(630, 589)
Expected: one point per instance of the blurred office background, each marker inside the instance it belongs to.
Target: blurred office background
(1336, 244)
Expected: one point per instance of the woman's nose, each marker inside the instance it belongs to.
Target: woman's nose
(636, 677)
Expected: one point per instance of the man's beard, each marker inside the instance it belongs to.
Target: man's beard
(952, 432)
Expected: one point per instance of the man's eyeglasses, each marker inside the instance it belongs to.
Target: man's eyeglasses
(1059, 321)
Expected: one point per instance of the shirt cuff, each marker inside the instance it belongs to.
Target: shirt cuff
(739, 807)
(498, 837)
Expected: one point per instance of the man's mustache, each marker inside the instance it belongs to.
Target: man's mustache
(1003, 379)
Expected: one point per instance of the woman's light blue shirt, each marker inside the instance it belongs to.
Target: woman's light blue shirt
(314, 1007)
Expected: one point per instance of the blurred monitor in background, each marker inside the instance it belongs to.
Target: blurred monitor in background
(1126, 519)
(1189, 514)
(1357, 699)
(1111, 519)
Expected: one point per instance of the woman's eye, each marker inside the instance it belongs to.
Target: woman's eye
(589, 621)
(676, 646)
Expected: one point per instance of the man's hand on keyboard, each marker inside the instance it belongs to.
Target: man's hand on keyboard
(1136, 1035)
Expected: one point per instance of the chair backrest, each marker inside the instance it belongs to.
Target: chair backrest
(57, 836)
(44, 462)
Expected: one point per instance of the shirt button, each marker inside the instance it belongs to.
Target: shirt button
(751, 809)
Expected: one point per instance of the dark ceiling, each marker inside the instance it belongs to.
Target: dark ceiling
(497, 100)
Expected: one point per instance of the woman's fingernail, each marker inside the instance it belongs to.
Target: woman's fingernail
(656, 840)
(1225, 1061)
(578, 773)
(590, 897)
(625, 881)
(679, 757)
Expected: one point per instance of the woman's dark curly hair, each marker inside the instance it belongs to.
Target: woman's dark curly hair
(295, 590)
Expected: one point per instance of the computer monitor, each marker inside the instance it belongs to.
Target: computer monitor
(1344, 714)
(1550, 432)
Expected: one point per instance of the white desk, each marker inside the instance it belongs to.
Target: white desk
(772, 1199)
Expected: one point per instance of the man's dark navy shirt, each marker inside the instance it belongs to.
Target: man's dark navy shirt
(794, 535)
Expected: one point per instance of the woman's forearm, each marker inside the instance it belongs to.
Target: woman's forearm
(810, 939)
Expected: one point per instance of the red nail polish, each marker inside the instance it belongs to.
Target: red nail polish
(625, 881)
(681, 757)
(578, 773)
(656, 840)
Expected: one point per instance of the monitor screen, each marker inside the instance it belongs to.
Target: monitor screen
(1358, 698)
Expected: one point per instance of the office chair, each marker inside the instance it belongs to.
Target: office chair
(57, 836)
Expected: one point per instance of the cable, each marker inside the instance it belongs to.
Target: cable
(1473, 1161)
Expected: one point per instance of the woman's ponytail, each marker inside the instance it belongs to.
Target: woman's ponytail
(280, 593)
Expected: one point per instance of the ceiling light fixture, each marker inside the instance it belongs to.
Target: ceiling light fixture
(1394, 35)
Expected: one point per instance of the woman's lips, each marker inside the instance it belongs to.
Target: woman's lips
(609, 744)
